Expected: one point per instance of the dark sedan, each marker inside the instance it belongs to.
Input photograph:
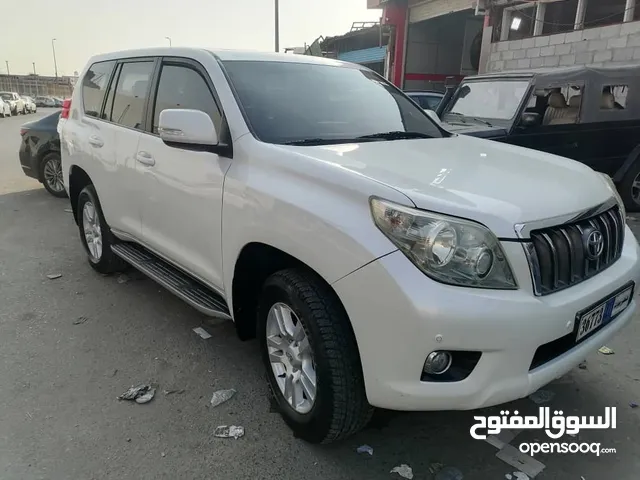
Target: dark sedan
(40, 153)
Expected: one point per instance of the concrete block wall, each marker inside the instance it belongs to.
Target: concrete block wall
(613, 44)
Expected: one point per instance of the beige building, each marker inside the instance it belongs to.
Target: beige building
(36, 85)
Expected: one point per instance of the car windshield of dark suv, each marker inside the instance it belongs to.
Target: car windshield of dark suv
(486, 100)
(312, 104)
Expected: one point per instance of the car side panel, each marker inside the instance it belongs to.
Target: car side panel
(314, 212)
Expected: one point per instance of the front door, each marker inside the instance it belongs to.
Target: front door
(181, 209)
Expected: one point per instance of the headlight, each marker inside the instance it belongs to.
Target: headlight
(614, 190)
(448, 249)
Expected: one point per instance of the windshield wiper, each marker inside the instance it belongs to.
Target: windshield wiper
(395, 135)
(464, 117)
(319, 141)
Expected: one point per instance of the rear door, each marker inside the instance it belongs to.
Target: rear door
(124, 120)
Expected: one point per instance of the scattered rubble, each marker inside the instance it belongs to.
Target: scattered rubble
(403, 470)
(222, 396)
(53, 276)
(202, 333)
(365, 449)
(80, 320)
(176, 391)
(232, 431)
(141, 394)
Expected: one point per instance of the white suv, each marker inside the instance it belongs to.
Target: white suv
(380, 260)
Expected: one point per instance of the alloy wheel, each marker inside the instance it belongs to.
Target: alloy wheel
(53, 175)
(291, 358)
(92, 230)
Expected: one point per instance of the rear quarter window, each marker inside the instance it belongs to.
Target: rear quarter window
(94, 87)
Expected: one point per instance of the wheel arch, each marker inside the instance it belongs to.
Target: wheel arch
(78, 179)
(255, 263)
(633, 157)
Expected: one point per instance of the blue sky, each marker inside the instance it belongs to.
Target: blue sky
(87, 27)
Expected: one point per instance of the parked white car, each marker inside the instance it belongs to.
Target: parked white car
(5, 108)
(29, 104)
(380, 260)
(15, 102)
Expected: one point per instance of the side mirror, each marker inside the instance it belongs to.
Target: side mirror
(530, 119)
(191, 127)
(433, 116)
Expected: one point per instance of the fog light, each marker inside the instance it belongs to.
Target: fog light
(437, 363)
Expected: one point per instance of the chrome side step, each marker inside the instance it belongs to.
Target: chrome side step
(177, 282)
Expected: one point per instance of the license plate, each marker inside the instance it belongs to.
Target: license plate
(595, 317)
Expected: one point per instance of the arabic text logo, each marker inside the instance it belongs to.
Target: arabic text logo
(555, 426)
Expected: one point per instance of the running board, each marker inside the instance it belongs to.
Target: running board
(177, 282)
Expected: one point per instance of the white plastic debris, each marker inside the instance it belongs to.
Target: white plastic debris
(541, 396)
(202, 332)
(365, 449)
(53, 276)
(122, 278)
(606, 350)
(222, 396)
(508, 476)
(68, 210)
(403, 470)
(520, 476)
(231, 431)
(449, 473)
(140, 394)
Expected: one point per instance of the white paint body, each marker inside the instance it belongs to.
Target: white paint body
(199, 210)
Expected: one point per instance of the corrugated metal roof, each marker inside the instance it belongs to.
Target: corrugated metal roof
(367, 55)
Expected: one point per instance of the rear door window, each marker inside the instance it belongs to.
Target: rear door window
(130, 94)
(94, 86)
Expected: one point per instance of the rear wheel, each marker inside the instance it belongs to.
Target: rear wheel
(311, 357)
(95, 234)
(51, 175)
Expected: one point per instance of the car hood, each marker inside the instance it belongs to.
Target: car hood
(495, 184)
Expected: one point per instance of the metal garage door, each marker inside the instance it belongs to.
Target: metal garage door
(434, 8)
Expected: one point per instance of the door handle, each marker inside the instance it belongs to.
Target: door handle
(145, 158)
(95, 141)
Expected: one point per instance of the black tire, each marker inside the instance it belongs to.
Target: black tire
(340, 408)
(107, 262)
(626, 187)
(52, 157)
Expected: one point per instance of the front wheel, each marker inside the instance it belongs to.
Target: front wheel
(311, 356)
(95, 234)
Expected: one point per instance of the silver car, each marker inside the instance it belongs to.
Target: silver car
(5, 108)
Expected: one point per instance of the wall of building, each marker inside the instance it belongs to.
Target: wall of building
(613, 44)
(437, 48)
(34, 85)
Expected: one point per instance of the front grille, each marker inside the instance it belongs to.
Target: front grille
(563, 256)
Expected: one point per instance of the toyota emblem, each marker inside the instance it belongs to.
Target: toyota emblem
(594, 244)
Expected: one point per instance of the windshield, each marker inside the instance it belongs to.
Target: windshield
(296, 102)
(6, 96)
(488, 99)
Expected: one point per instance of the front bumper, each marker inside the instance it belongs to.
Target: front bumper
(397, 312)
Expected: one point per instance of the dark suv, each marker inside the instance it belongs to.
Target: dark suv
(588, 114)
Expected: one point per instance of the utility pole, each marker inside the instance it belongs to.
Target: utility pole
(277, 12)
(55, 63)
(169, 38)
(8, 74)
(36, 78)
